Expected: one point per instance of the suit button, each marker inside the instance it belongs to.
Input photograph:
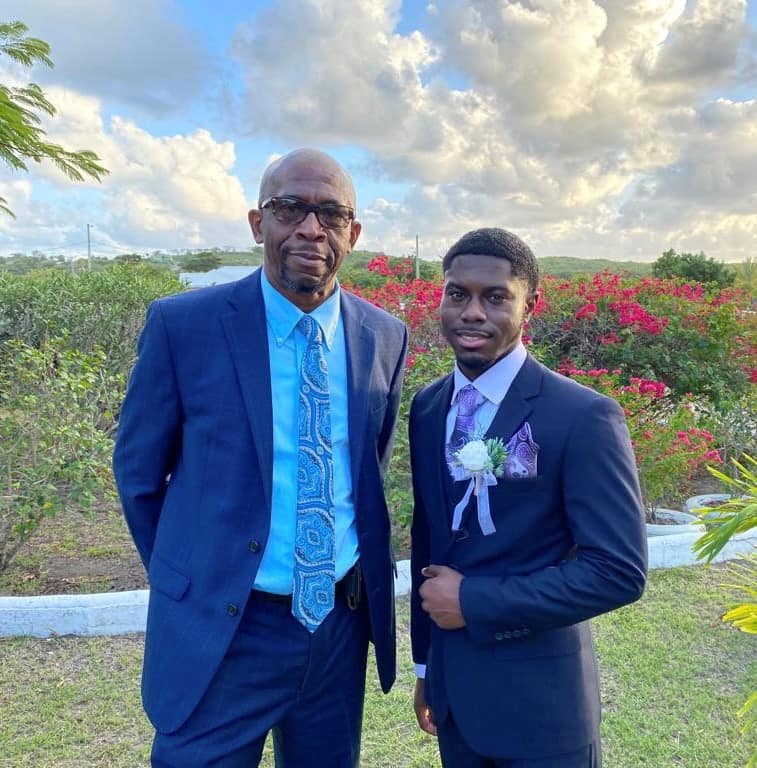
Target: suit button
(254, 546)
(526, 631)
(231, 609)
(499, 636)
(517, 633)
(508, 635)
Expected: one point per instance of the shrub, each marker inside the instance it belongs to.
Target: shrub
(86, 311)
(667, 435)
(698, 342)
(57, 409)
(694, 267)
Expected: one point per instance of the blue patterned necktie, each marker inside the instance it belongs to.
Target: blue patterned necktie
(313, 588)
(469, 400)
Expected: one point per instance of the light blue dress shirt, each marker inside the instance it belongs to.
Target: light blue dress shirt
(286, 346)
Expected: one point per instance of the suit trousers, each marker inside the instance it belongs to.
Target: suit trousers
(456, 753)
(307, 689)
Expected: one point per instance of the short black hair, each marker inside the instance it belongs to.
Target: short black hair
(492, 241)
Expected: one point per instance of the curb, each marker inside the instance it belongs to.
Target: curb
(118, 613)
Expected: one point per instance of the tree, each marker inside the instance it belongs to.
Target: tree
(21, 136)
(693, 266)
(202, 262)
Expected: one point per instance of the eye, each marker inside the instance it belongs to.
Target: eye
(289, 210)
(336, 216)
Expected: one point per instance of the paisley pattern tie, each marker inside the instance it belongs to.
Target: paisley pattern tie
(313, 588)
(469, 400)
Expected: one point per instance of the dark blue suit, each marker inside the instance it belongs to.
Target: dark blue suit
(194, 465)
(520, 679)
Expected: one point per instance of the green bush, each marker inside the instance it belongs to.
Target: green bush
(694, 267)
(57, 415)
(90, 310)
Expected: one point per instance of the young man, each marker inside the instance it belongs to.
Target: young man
(251, 449)
(505, 580)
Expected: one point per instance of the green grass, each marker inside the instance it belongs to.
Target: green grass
(672, 678)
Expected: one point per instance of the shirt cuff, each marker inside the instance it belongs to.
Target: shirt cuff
(420, 671)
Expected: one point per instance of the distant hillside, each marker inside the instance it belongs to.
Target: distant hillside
(565, 266)
(353, 270)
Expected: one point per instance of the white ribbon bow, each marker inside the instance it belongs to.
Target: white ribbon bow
(479, 485)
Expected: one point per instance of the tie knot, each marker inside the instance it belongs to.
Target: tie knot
(310, 329)
(468, 400)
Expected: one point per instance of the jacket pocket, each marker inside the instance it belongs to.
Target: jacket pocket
(166, 579)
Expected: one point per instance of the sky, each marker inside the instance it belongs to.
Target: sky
(592, 128)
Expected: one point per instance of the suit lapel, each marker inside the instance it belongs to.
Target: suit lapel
(247, 335)
(437, 472)
(360, 343)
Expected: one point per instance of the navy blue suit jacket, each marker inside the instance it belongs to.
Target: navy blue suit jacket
(521, 678)
(194, 468)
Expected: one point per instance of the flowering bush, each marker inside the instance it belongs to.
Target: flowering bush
(669, 441)
(657, 346)
(697, 341)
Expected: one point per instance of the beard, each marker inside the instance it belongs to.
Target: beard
(304, 283)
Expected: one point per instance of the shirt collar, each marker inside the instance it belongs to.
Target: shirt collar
(494, 382)
(282, 316)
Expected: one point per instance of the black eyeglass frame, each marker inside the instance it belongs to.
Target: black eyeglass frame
(307, 209)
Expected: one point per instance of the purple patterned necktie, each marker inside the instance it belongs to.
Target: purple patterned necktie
(469, 399)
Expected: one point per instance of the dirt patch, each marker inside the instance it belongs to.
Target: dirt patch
(76, 553)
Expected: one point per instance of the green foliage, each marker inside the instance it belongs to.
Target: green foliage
(695, 267)
(570, 267)
(21, 136)
(57, 412)
(737, 515)
(202, 262)
(92, 310)
(422, 370)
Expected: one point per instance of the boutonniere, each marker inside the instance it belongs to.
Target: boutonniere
(482, 462)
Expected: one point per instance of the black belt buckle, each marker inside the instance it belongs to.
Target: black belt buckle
(353, 586)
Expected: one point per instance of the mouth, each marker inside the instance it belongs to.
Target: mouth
(471, 339)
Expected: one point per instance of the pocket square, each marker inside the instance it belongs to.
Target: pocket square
(521, 454)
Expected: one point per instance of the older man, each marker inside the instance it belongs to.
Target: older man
(252, 444)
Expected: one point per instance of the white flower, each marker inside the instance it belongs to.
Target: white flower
(474, 456)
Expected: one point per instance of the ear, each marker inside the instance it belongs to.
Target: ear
(355, 229)
(255, 217)
(531, 301)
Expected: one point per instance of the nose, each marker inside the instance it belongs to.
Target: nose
(311, 228)
(473, 311)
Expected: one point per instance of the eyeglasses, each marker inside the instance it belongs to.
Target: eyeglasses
(290, 210)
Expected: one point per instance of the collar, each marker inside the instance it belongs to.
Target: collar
(494, 382)
(282, 316)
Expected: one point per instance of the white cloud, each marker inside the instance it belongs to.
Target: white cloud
(618, 127)
(171, 191)
(136, 52)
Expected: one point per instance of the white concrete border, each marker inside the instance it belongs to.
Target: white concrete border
(117, 613)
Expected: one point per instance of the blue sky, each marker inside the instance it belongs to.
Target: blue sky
(593, 128)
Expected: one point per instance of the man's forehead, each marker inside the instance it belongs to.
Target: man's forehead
(317, 177)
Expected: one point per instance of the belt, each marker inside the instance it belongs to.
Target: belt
(271, 597)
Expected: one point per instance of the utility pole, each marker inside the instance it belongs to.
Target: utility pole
(417, 260)
(89, 249)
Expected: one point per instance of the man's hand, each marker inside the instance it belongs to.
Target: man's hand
(440, 596)
(422, 710)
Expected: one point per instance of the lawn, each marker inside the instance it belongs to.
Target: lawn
(672, 678)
